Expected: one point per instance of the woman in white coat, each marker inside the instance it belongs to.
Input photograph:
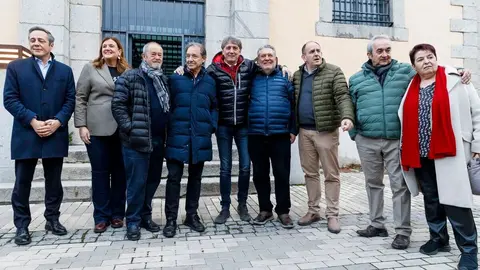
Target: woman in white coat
(440, 119)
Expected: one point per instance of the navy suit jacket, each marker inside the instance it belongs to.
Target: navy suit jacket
(27, 95)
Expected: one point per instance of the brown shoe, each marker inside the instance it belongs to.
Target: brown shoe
(101, 227)
(117, 223)
(333, 225)
(286, 221)
(308, 219)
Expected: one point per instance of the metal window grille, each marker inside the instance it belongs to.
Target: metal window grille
(365, 12)
(172, 23)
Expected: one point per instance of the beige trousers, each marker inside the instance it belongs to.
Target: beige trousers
(316, 147)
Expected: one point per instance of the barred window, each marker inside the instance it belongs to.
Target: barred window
(365, 12)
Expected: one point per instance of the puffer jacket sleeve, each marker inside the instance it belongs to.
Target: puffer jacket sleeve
(293, 118)
(342, 96)
(353, 132)
(214, 108)
(120, 103)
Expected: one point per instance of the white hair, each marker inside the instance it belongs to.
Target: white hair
(377, 37)
(147, 46)
(268, 46)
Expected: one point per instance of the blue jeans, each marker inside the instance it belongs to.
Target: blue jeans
(144, 171)
(108, 178)
(225, 136)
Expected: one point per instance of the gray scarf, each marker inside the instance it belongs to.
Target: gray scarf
(379, 71)
(156, 75)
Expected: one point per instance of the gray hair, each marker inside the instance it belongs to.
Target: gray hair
(268, 46)
(203, 51)
(51, 39)
(372, 41)
(146, 47)
(233, 40)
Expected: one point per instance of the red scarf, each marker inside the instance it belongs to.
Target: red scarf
(442, 141)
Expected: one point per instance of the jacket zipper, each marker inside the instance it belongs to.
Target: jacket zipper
(235, 102)
(266, 107)
(234, 90)
(150, 146)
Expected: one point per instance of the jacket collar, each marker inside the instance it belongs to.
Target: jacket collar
(319, 68)
(190, 74)
(37, 68)
(105, 74)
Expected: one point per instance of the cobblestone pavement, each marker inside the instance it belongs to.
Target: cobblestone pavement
(235, 245)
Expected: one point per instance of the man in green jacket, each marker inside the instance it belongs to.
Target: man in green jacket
(323, 105)
(376, 92)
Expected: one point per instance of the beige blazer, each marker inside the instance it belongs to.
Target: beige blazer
(452, 176)
(93, 101)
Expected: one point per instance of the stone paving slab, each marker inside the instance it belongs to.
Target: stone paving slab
(235, 245)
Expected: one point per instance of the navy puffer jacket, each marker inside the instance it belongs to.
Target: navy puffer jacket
(272, 105)
(193, 117)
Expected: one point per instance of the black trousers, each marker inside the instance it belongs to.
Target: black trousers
(24, 170)
(461, 219)
(277, 149)
(172, 193)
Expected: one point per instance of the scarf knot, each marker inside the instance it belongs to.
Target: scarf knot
(156, 75)
(442, 140)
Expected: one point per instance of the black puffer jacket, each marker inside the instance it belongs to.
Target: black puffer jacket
(131, 110)
(232, 97)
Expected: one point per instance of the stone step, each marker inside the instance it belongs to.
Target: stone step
(82, 190)
(82, 171)
(78, 154)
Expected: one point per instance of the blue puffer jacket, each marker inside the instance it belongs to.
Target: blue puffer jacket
(272, 104)
(193, 117)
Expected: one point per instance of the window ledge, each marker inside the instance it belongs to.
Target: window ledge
(338, 30)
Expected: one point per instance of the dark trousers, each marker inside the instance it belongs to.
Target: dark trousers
(461, 219)
(24, 170)
(143, 171)
(108, 178)
(194, 184)
(225, 136)
(277, 149)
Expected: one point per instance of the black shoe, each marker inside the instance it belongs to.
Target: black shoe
(433, 247)
(223, 216)
(193, 222)
(468, 262)
(401, 242)
(170, 229)
(22, 237)
(263, 218)
(371, 231)
(150, 226)
(286, 221)
(243, 212)
(55, 227)
(133, 232)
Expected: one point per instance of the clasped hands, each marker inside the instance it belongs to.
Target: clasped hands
(45, 128)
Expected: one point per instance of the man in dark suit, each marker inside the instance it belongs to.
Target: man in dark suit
(40, 94)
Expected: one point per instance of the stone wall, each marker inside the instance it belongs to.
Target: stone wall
(469, 26)
(245, 19)
(85, 39)
(56, 19)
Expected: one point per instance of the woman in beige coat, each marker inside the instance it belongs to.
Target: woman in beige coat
(440, 119)
(98, 130)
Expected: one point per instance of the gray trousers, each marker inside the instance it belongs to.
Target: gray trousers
(375, 156)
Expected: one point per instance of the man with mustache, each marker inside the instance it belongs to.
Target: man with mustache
(376, 92)
(322, 106)
(39, 92)
(141, 108)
